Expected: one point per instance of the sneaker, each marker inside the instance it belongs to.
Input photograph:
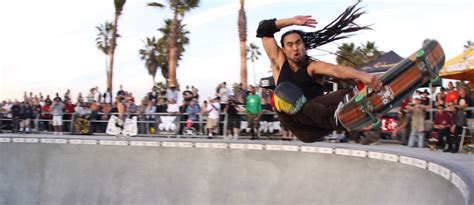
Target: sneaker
(336, 113)
(375, 143)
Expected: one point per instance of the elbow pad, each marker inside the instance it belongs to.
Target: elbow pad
(266, 28)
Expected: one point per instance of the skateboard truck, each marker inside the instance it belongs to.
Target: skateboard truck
(376, 122)
(426, 67)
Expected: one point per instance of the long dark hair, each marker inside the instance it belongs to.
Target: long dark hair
(344, 23)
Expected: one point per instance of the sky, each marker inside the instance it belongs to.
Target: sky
(49, 46)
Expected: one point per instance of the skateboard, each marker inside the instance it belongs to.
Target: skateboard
(128, 128)
(366, 107)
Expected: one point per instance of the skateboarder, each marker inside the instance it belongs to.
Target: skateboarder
(299, 98)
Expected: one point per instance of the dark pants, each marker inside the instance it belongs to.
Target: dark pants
(442, 135)
(454, 140)
(316, 118)
(15, 123)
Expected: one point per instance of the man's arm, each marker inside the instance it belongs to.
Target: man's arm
(344, 72)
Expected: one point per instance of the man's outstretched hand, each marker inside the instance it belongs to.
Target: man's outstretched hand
(372, 81)
(304, 21)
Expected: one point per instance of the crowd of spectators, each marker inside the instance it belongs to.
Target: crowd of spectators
(243, 111)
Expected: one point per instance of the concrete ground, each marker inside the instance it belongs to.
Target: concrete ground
(48, 169)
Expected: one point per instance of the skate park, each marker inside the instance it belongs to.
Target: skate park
(166, 74)
(47, 169)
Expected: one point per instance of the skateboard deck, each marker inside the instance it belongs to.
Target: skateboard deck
(399, 82)
(130, 127)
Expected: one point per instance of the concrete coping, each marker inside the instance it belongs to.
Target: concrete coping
(437, 166)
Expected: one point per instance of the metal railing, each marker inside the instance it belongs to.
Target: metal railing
(148, 124)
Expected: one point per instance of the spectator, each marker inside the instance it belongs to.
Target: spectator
(470, 85)
(193, 109)
(121, 92)
(266, 121)
(37, 110)
(107, 97)
(80, 99)
(150, 111)
(58, 111)
(140, 111)
(464, 101)
(425, 99)
(195, 93)
(16, 114)
(187, 94)
(452, 95)
(458, 121)
(401, 131)
(69, 110)
(441, 97)
(223, 93)
(153, 95)
(172, 93)
(46, 116)
(183, 115)
(253, 108)
(94, 116)
(441, 125)
(417, 125)
(90, 96)
(48, 100)
(213, 109)
(162, 106)
(240, 92)
(233, 117)
(97, 95)
(67, 96)
(26, 115)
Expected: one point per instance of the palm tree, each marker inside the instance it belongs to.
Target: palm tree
(369, 52)
(347, 55)
(150, 55)
(352, 56)
(104, 36)
(242, 23)
(253, 54)
(179, 8)
(162, 49)
(113, 42)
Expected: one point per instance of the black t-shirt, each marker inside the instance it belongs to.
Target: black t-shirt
(265, 116)
(232, 112)
(302, 79)
(469, 104)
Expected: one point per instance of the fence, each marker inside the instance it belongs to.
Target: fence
(152, 125)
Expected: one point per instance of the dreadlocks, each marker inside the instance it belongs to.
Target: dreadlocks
(344, 23)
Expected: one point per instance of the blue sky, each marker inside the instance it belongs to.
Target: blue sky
(48, 46)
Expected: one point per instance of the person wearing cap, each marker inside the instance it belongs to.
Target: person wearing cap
(458, 121)
(213, 109)
(425, 99)
(441, 97)
(253, 110)
(58, 110)
(417, 134)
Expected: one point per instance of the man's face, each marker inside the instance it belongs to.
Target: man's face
(462, 92)
(294, 47)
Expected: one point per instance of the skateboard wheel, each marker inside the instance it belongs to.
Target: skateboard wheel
(420, 54)
(377, 123)
(433, 80)
(359, 98)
